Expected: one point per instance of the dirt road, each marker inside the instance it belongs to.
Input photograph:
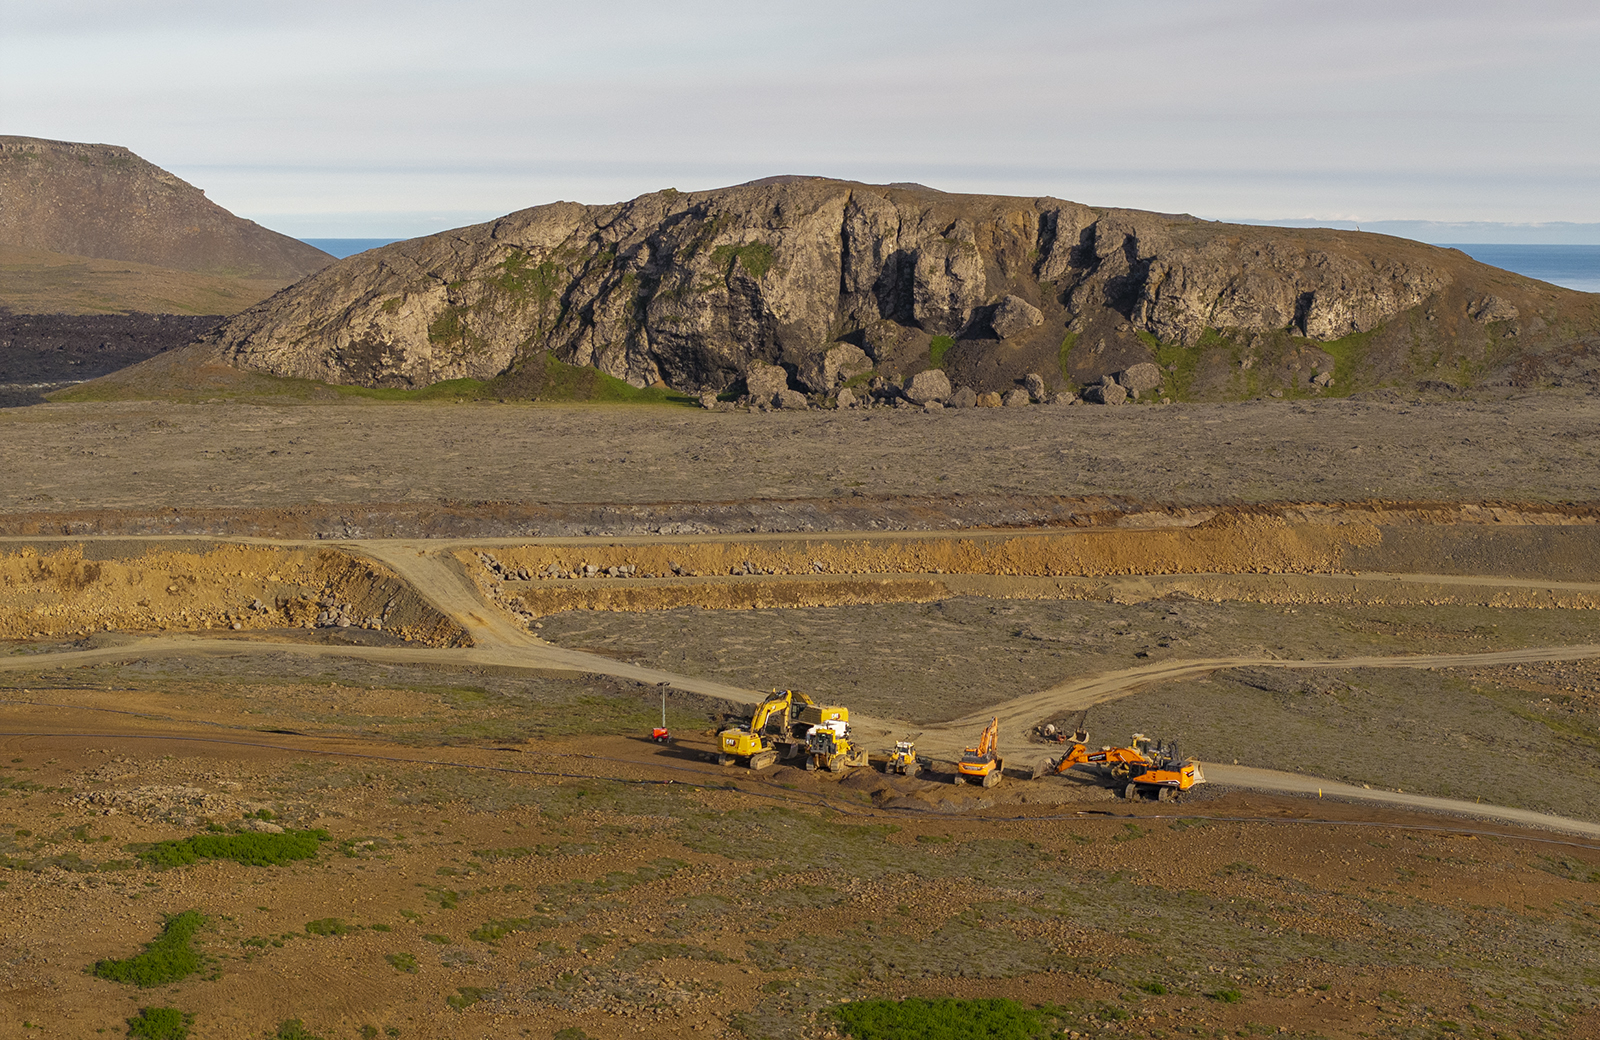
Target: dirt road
(1023, 713)
(499, 642)
(1293, 783)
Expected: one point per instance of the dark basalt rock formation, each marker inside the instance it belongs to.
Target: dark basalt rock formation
(691, 289)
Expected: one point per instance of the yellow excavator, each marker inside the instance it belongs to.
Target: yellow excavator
(775, 730)
(982, 764)
(1147, 768)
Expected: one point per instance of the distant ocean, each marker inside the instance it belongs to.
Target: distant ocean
(1576, 267)
(343, 247)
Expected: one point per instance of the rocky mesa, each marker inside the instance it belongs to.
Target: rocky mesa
(831, 280)
(103, 202)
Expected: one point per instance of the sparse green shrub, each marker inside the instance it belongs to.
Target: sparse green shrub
(916, 1019)
(1064, 359)
(1154, 988)
(167, 958)
(329, 926)
(252, 850)
(938, 348)
(436, 938)
(402, 962)
(1227, 995)
(755, 258)
(294, 1029)
(160, 1023)
(492, 930)
(1569, 868)
(570, 1033)
(466, 996)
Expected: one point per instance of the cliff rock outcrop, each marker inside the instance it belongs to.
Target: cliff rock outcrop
(694, 289)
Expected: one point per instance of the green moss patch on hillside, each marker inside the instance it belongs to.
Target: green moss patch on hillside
(167, 958)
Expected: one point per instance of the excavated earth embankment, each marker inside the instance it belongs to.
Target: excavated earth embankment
(62, 589)
(1391, 553)
(855, 512)
(1503, 556)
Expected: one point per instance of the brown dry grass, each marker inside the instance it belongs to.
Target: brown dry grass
(540, 903)
(40, 282)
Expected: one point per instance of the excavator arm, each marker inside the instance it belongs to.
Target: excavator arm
(989, 742)
(1107, 757)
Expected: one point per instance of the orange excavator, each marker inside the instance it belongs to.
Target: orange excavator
(1148, 768)
(982, 764)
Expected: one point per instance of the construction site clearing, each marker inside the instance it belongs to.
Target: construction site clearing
(532, 787)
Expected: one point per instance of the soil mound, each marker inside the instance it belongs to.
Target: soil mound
(51, 590)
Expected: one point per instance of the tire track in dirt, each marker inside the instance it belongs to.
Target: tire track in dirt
(1021, 714)
(1296, 783)
(499, 642)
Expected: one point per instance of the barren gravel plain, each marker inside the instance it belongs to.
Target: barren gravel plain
(230, 454)
(305, 670)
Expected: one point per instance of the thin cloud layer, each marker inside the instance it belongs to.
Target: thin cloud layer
(323, 118)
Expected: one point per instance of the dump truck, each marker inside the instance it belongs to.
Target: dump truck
(1145, 768)
(903, 759)
(982, 764)
(775, 730)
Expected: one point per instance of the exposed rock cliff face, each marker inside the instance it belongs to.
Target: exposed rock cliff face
(103, 201)
(692, 289)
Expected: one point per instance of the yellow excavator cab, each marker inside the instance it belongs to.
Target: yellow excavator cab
(775, 729)
(903, 759)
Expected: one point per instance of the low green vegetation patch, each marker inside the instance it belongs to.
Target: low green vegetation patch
(544, 377)
(1064, 358)
(1569, 868)
(253, 850)
(167, 958)
(938, 348)
(646, 953)
(329, 926)
(466, 996)
(294, 1029)
(493, 930)
(916, 1019)
(160, 1023)
(754, 257)
(615, 881)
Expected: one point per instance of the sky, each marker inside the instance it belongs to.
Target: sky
(389, 119)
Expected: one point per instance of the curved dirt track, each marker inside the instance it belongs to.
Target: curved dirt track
(1021, 714)
(498, 642)
(1294, 783)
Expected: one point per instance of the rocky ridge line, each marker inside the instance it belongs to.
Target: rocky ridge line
(830, 280)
